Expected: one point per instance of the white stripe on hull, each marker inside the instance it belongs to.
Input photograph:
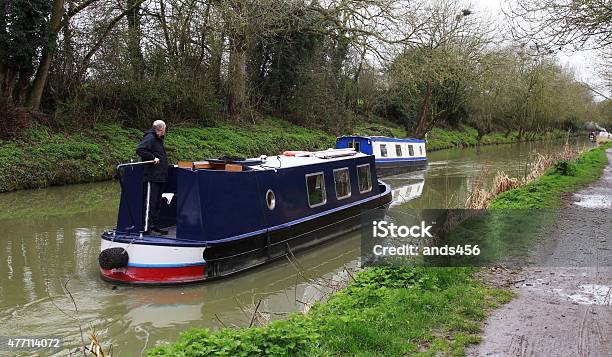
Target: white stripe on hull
(142, 254)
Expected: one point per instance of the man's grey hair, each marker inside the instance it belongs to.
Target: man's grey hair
(159, 124)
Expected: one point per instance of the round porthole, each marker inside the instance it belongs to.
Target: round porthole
(270, 200)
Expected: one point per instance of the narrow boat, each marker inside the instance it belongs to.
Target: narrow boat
(393, 155)
(224, 216)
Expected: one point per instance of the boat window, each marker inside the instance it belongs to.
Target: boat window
(410, 150)
(421, 149)
(357, 146)
(398, 150)
(342, 182)
(364, 178)
(315, 184)
(383, 150)
(270, 199)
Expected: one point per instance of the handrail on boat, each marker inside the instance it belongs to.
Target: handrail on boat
(120, 166)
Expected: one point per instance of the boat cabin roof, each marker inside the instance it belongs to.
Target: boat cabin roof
(301, 158)
(284, 160)
(383, 139)
(318, 157)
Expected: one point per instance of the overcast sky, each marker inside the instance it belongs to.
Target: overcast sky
(584, 63)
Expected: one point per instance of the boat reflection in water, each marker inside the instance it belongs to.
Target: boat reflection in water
(406, 187)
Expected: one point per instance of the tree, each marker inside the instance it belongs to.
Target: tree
(21, 36)
(436, 71)
(318, 63)
(554, 23)
(134, 37)
(489, 95)
(28, 38)
(604, 110)
(49, 48)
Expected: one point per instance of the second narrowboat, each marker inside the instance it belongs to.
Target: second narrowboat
(393, 155)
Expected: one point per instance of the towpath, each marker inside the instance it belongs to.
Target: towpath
(563, 307)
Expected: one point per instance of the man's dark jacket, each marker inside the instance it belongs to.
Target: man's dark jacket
(152, 147)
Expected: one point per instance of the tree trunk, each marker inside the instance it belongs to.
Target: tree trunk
(9, 83)
(3, 72)
(3, 45)
(134, 38)
(68, 70)
(4, 68)
(45, 62)
(203, 39)
(360, 67)
(422, 127)
(21, 87)
(164, 25)
(237, 95)
(184, 38)
(215, 66)
(39, 81)
(480, 133)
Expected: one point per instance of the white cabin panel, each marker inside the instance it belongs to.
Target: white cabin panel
(406, 150)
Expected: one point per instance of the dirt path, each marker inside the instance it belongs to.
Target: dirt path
(564, 307)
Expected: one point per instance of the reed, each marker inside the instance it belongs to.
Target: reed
(481, 196)
(95, 347)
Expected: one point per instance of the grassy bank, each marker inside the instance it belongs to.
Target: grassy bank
(42, 158)
(384, 311)
(565, 176)
(438, 139)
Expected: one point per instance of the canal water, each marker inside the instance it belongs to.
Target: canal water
(51, 239)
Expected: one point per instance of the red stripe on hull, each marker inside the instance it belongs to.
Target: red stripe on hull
(176, 275)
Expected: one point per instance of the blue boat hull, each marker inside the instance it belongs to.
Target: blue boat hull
(228, 258)
(395, 167)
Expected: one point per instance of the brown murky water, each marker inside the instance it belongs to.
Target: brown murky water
(51, 239)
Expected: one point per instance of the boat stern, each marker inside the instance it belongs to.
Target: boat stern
(147, 261)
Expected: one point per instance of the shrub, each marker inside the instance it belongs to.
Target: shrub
(16, 120)
(564, 168)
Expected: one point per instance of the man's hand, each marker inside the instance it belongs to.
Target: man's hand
(156, 161)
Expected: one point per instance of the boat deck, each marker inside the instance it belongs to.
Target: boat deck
(171, 232)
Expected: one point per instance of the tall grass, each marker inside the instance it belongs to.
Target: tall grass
(480, 196)
(550, 177)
